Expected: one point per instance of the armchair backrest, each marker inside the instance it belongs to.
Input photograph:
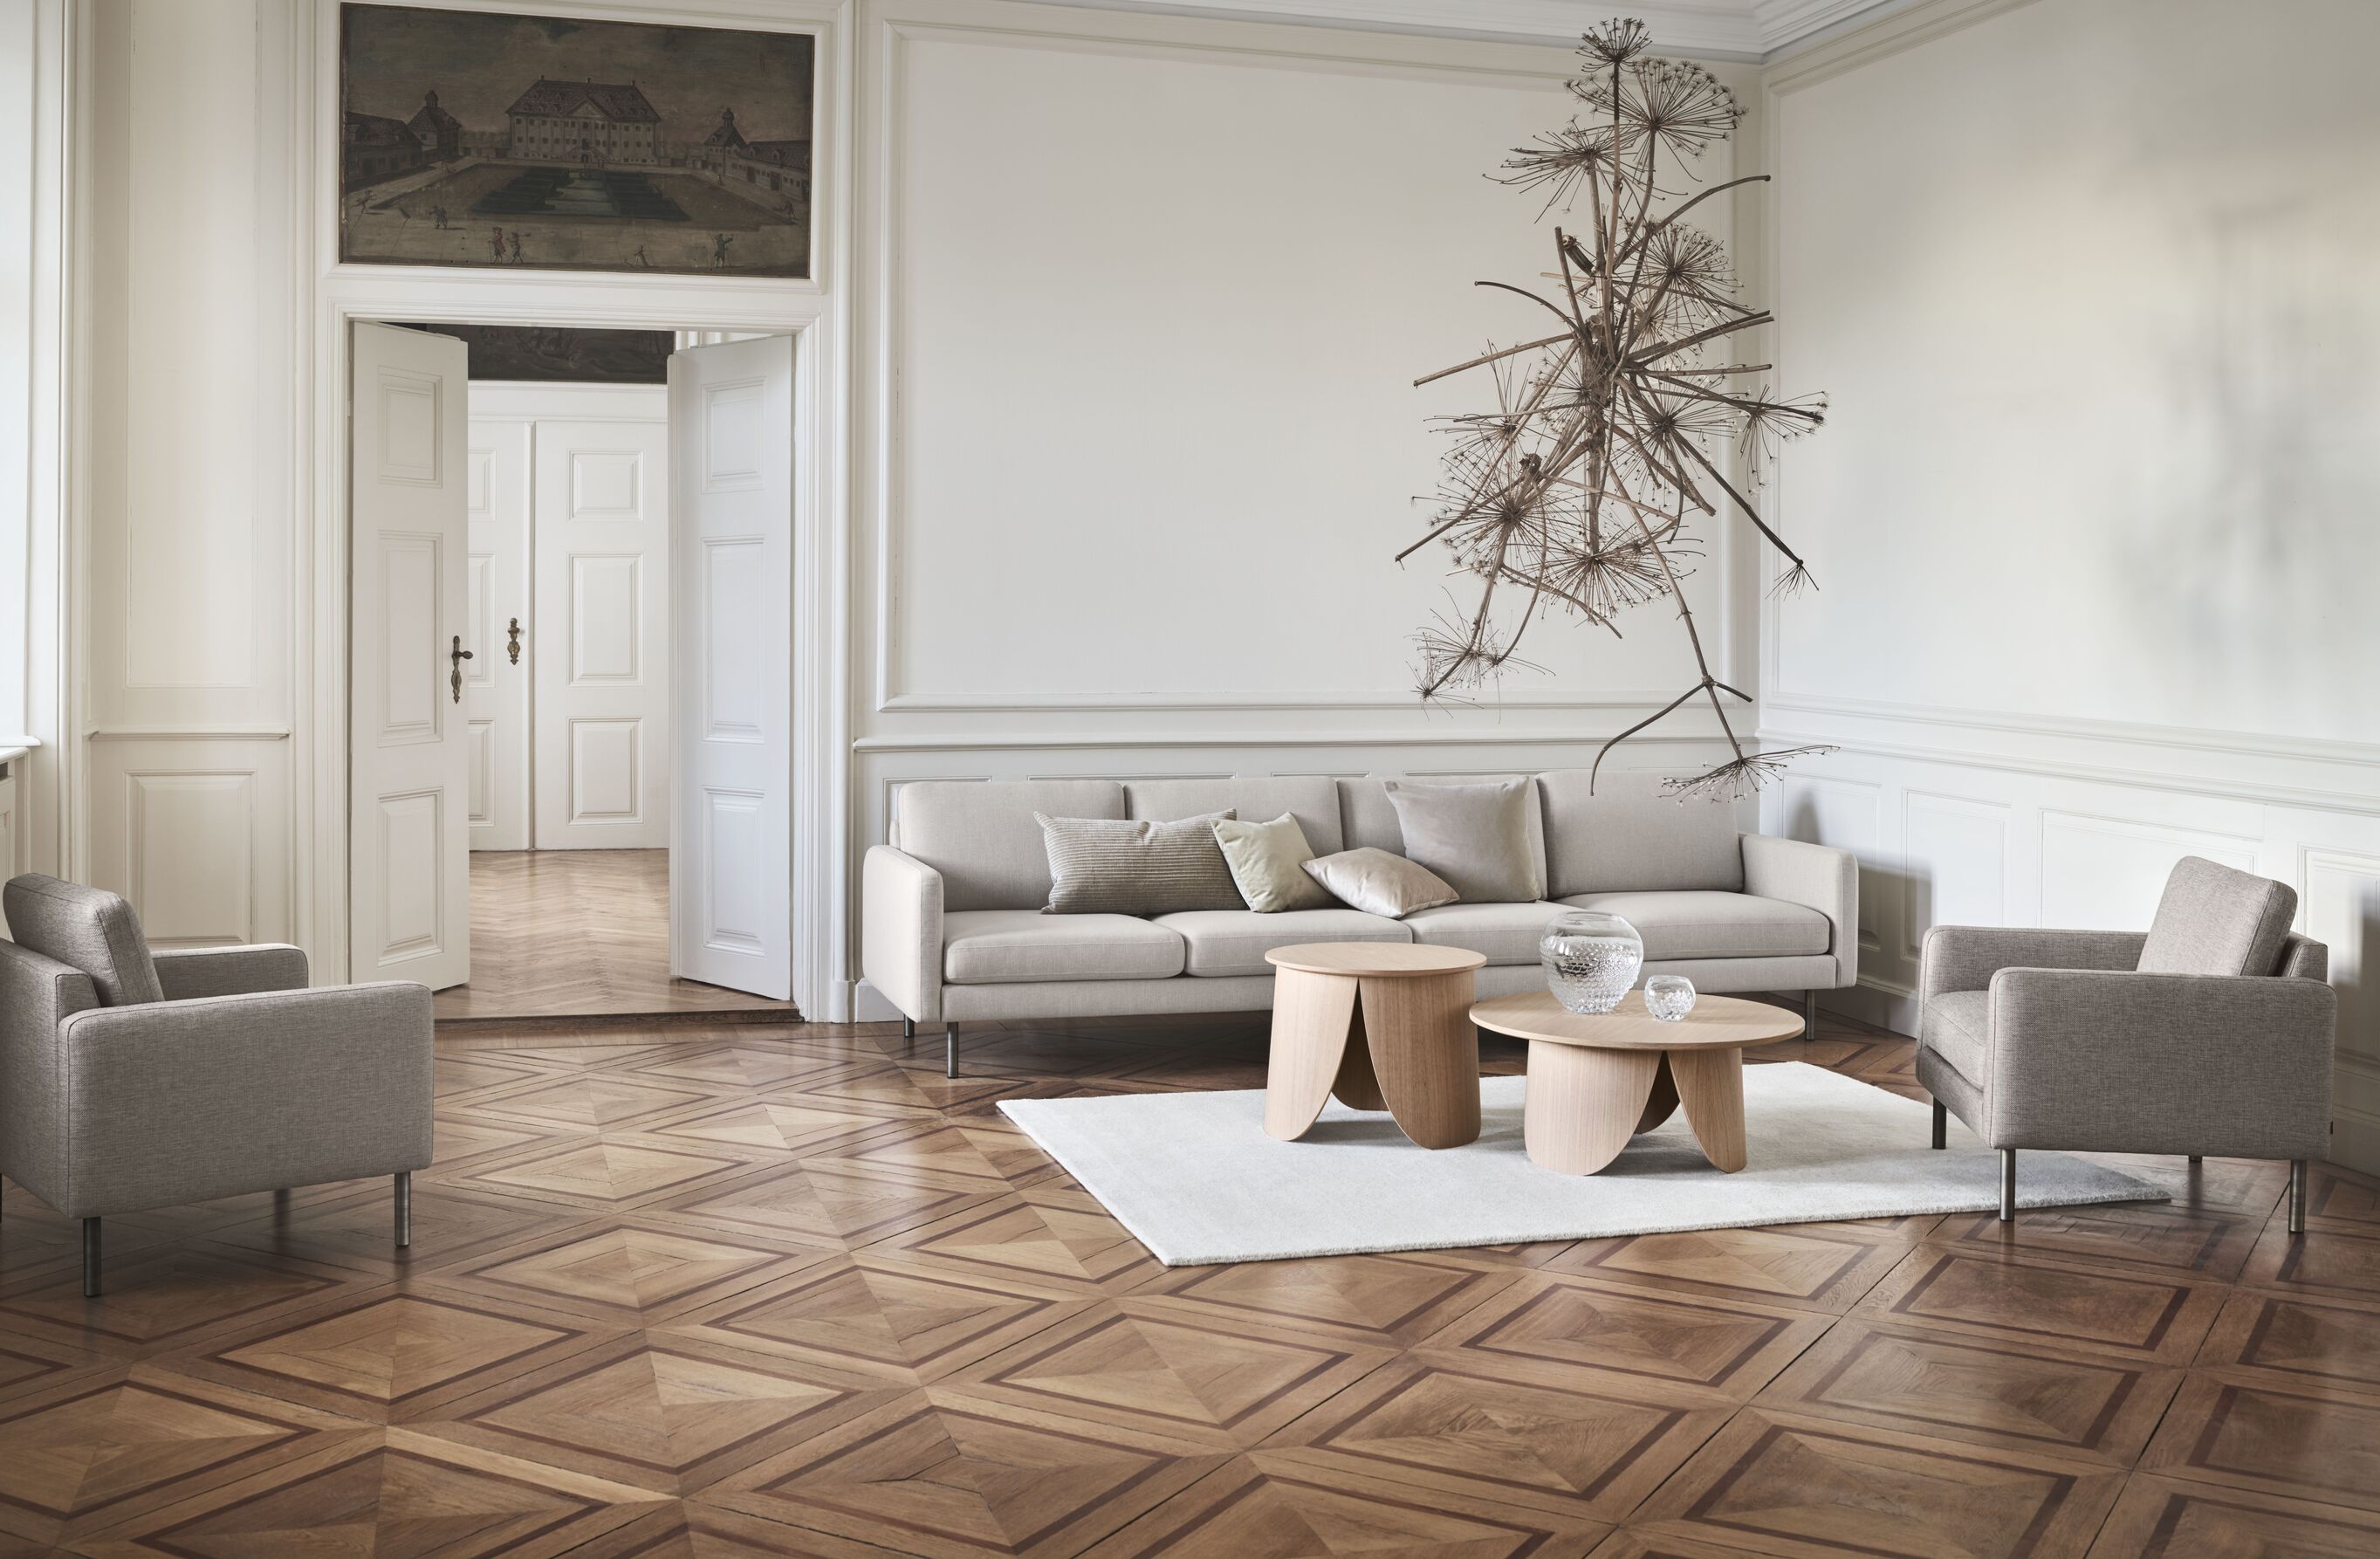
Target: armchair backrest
(2213, 920)
(87, 928)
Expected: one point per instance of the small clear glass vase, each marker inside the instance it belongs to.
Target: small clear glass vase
(1591, 959)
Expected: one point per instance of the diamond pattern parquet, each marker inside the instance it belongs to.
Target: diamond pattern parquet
(681, 1292)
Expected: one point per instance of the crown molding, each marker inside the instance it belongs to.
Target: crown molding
(1748, 30)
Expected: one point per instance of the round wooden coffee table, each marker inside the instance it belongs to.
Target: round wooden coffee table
(1383, 1025)
(1597, 1078)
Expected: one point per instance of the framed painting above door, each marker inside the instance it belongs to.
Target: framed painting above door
(480, 139)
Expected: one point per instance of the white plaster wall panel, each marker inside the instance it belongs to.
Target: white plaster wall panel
(2173, 525)
(2342, 910)
(1849, 814)
(1955, 859)
(2108, 871)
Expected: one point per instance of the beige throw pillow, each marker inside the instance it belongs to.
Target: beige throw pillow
(1381, 883)
(1107, 866)
(1266, 859)
(1476, 837)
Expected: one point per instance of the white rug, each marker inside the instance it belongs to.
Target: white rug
(1196, 1179)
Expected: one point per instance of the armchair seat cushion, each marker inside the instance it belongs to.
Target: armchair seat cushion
(1021, 946)
(1506, 933)
(1224, 942)
(1702, 924)
(1956, 1026)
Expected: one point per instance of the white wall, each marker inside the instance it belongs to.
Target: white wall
(1154, 293)
(2089, 282)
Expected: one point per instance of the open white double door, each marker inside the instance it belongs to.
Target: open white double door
(731, 410)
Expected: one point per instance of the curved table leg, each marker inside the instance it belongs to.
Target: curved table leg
(1311, 1014)
(1663, 1101)
(1710, 1087)
(1358, 1086)
(1425, 1051)
(1584, 1104)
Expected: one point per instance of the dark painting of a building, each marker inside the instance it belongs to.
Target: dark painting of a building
(472, 138)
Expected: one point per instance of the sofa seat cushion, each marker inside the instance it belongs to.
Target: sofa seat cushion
(1018, 946)
(1696, 923)
(1956, 1026)
(1506, 934)
(1229, 942)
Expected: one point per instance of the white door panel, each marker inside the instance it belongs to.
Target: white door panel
(495, 685)
(602, 503)
(409, 742)
(731, 856)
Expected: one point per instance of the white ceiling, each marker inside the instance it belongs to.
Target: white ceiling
(1744, 29)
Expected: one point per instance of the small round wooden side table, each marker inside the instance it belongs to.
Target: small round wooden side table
(1597, 1078)
(1383, 1025)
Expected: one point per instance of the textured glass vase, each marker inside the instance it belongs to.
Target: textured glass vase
(1591, 959)
(1669, 997)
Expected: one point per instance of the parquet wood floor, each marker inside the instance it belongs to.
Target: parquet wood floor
(578, 934)
(723, 1291)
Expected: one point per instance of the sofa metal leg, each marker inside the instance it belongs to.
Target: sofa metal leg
(2198, 1158)
(1941, 1123)
(91, 1258)
(1809, 1015)
(909, 1029)
(2007, 1185)
(950, 1050)
(403, 1207)
(2297, 1196)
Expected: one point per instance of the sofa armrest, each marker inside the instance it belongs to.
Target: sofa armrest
(187, 973)
(1817, 877)
(176, 1101)
(1965, 957)
(901, 931)
(2123, 1062)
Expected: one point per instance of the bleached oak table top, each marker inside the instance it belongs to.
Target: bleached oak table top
(1716, 1023)
(1375, 959)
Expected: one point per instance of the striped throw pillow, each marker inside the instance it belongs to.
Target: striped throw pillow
(1101, 866)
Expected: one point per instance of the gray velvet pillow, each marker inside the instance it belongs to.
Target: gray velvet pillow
(1268, 860)
(1476, 836)
(1381, 883)
(1104, 865)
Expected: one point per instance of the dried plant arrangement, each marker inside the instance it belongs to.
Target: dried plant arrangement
(1575, 496)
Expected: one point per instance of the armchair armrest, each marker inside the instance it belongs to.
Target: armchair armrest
(1819, 877)
(176, 1101)
(901, 931)
(2124, 1062)
(190, 972)
(1965, 957)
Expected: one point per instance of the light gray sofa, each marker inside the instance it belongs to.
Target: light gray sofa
(2210, 1032)
(130, 1079)
(952, 928)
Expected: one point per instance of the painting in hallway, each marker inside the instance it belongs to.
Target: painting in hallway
(469, 137)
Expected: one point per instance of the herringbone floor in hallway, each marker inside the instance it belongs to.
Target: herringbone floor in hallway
(787, 1290)
(577, 934)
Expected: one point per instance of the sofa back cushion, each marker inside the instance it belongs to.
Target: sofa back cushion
(1312, 799)
(87, 928)
(1371, 820)
(2213, 920)
(980, 835)
(1631, 835)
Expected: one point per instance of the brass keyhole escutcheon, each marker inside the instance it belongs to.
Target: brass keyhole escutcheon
(513, 647)
(455, 658)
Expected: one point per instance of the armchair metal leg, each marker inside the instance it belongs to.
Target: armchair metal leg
(2007, 1185)
(2198, 1158)
(91, 1258)
(950, 1050)
(1941, 1123)
(2297, 1196)
(403, 1207)
(1809, 1015)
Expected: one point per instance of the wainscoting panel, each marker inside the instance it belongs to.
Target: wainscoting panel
(193, 832)
(1993, 820)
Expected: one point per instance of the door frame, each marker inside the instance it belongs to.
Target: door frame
(321, 733)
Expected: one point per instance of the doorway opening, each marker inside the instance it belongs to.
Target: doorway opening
(573, 822)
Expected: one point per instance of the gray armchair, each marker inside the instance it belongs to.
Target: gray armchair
(2210, 1032)
(130, 1081)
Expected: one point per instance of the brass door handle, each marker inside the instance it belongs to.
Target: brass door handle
(513, 648)
(455, 658)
